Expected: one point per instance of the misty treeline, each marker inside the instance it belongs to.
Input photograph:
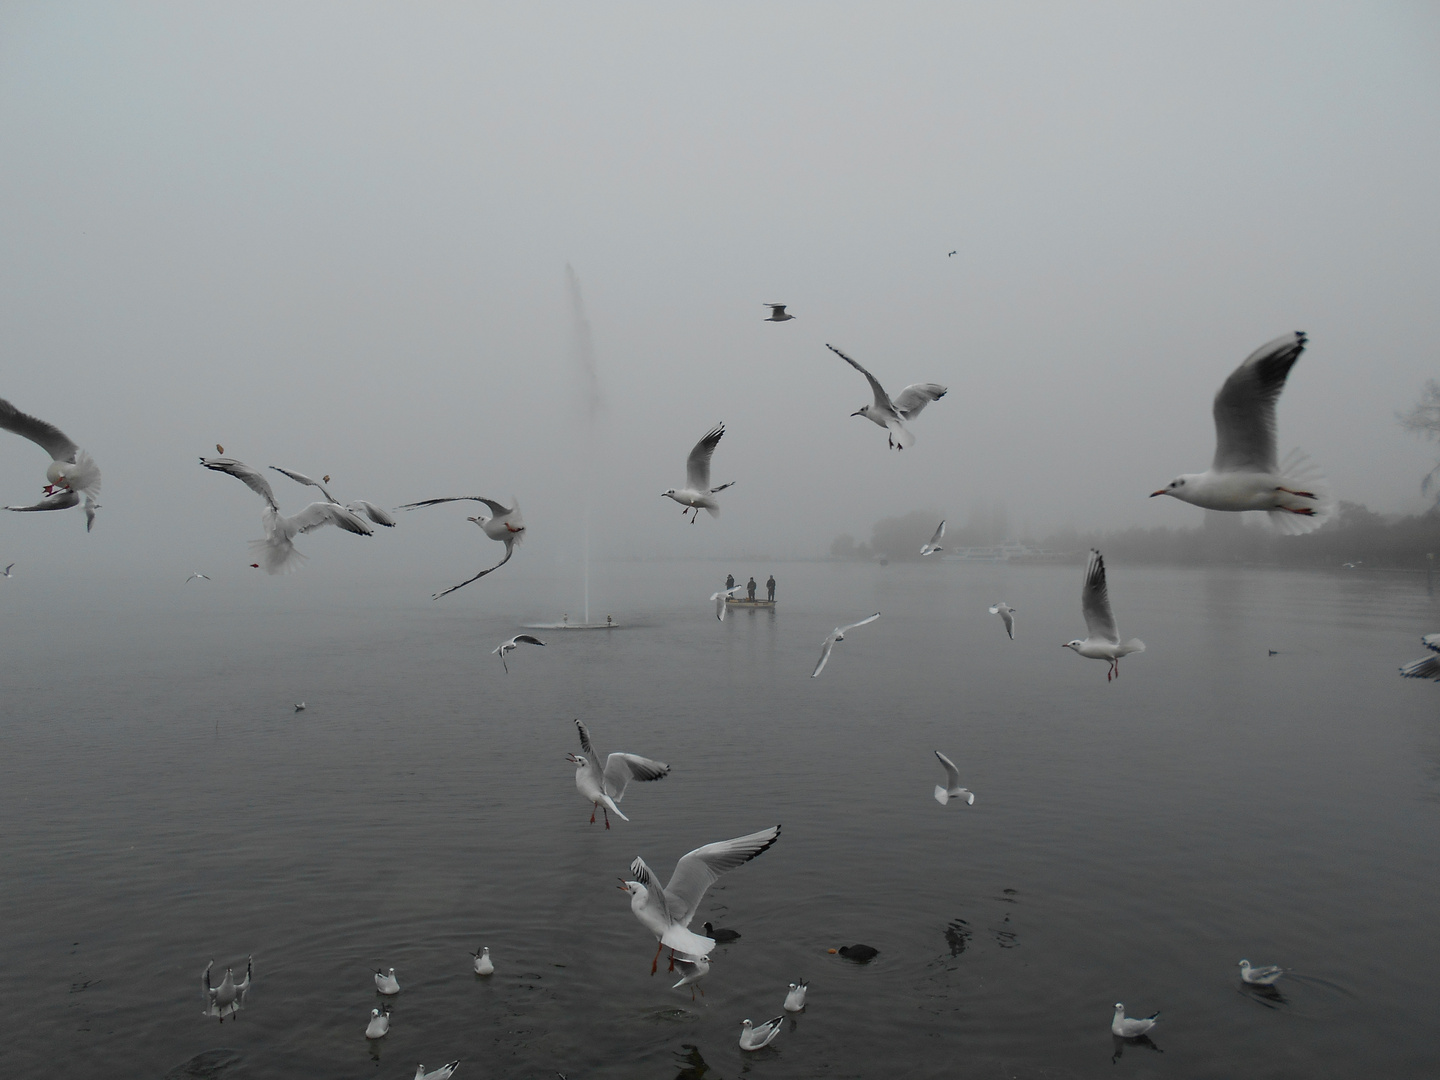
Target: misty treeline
(1356, 535)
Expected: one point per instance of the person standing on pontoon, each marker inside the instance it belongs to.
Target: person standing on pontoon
(729, 582)
(770, 587)
(751, 588)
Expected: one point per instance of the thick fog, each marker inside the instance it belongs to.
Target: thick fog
(335, 238)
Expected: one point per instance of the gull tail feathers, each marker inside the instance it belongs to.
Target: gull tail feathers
(1132, 646)
(277, 556)
(1307, 502)
(941, 795)
(901, 437)
(687, 942)
(713, 511)
(615, 809)
(85, 476)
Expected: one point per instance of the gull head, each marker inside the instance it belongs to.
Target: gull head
(668, 494)
(478, 519)
(1176, 487)
(1073, 645)
(864, 410)
(580, 761)
(55, 473)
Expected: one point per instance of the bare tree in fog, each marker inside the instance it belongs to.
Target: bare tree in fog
(1424, 419)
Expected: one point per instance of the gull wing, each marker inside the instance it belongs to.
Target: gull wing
(60, 499)
(699, 869)
(844, 629)
(720, 598)
(775, 309)
(916, 396)
(952, 774)
(934, 544)
(620, 769)
(318, 514)
(882, 399)
(528, 639)
(301, 478)
(824, 655)
(1427, 667)
(1431, 642)
(1245, 407)
(585, 739)
(252, 479)
(370, 510)
(645, 876)
(1095, 600)
(47, 436)
(509, 550)
(494, 506)
(697, 465)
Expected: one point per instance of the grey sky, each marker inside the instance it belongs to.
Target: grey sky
(334, 237)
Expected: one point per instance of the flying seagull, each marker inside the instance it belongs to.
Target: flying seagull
(719, 598)
(753, 1038)
(228, 998)
(513, 644)
(6, 572)
(691, 972)
(1427, 667)
(1244, 474)
(506, 526)
(889, 414)
(604, 788)
(1102, 639)
(1127, 1028)
(952, 788)
(838, 634)
(934, 544)
(777, 313)
(697, 494)
(71, 471)
(276, 552)
(360, 506)
(196, 574)
(667, 912)
(1007, 616)
(300, 706)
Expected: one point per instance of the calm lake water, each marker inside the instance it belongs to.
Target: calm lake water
(1129, 842)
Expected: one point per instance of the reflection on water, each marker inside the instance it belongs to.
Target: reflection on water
(692, 1065)
(1121, 1045)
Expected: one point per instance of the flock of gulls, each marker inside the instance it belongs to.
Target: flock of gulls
(1244, 476)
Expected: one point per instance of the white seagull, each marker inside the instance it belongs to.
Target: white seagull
(1102, 640)
(276, 553)
(300, 706)
(386, 984)
(1260, 976)
(696, 496)
(889, 414)
(691, 972)
(379, 1024)
(71, 470)
(667, 912)
(605, 788)
(229, 997)
(934, 544)
(506, 526)
(1127, 1028)
(753, 1038)
(1007, 616)
(6, 572)
(777, 312)
(719, 598)
(952, 788)
(838, 634)
(442, 1073)
(483, 964)
(1244, 474)
(1427, 667)
(795, 999)
(360, 506)
(510, 646)
(196, 574)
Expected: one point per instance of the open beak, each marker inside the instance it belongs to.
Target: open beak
(857, 413)
(623, 887)
(1160, 492)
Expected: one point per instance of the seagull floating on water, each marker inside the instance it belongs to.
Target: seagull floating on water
(360, 506)
(721, 934)
(1007, 616)
(71, 472)
(483, 964)
(691, 972)
(1427, 667)
(696, 496)
(795, 999)
(838, 634)
(667, 912)
(442, 1073)
(605, 788)
(1127, 1028)
(952, 788)
(276, 552)
(506, 526)
(228, 998)
(1244, 474)
(386, 984)
(1259, 976)
(1102, 640)
(934, 544)
(777, 313)
(510, 646)
(753, 1038)
(379, 1024)
(719, 598)
(889, 414)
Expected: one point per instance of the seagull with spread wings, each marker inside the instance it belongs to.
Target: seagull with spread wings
(1244, 474)
(934, 544)
(838, 634)
(72, 472)
(777, 312)
(506, 526)
(276, 553)
(604, 788)
(892, 414)
(1007, 616)
(697, 494)
(952, 788)
(1102, 639)
(667, 912)
(719, 598)
(360, 506)
(506, 647)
